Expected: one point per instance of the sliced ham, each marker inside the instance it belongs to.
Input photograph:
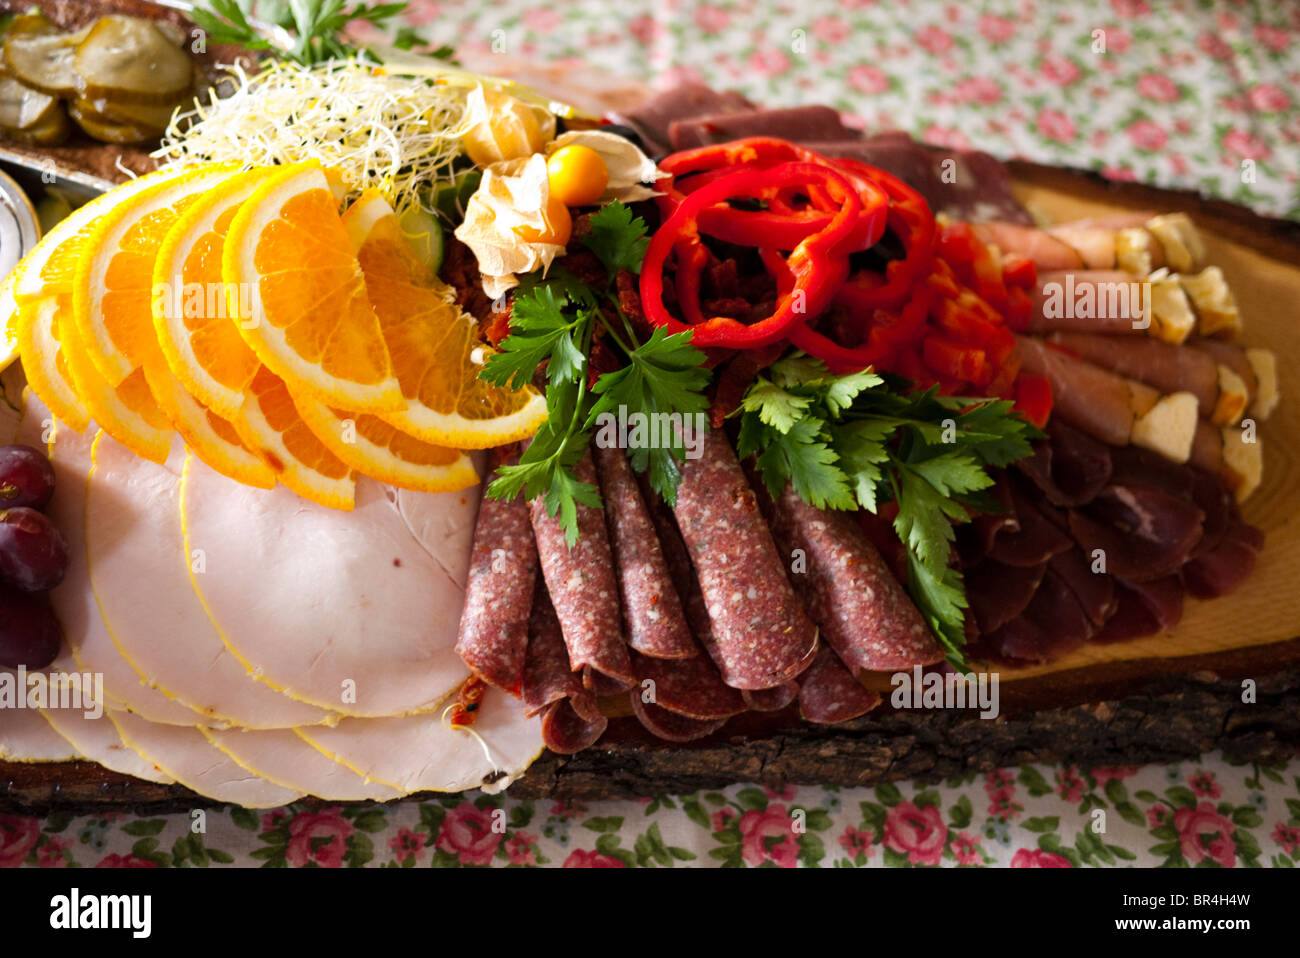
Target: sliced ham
(91, 645)
(25, 735)
(140, 572)
(193, 761)
(1166, 367)
(801, 123)
(97, 739)
(283, 758)
(416, 753)
(365, 603)
(1094, 245)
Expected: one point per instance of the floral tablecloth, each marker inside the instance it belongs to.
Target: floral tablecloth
(1180, 93)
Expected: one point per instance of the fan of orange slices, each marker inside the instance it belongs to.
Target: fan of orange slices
(282, 338)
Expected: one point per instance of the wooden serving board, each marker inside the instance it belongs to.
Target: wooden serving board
(1158, 699)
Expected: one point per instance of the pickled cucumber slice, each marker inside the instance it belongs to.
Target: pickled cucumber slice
(106, 130)
(27, 116)
(129, 60)
(45, 61)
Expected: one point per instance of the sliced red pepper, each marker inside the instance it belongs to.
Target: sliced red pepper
(1020, 309)
(1019, 271)
(1034, 398)
(817, 262)
(952, 359)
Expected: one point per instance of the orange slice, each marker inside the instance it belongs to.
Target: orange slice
(373, 447)
(44, 273)
(8, 321)
(39, 341)
(209, 436)
(435, 348)
(197, 334)
(270, 425)
(112, 290)
(309, 319)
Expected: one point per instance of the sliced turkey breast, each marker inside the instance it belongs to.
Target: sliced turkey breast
(282, 757)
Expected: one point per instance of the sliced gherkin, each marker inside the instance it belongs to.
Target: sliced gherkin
(129, 60)
(45, 61)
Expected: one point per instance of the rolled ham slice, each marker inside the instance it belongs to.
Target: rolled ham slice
(140, 572)
(1101, 403)
(1046, 251)
(365, 603)
(582, 585)
(1162, 366)
(760, 635)
(1088, 301)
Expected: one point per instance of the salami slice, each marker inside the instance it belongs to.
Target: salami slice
(681, 571)
(547, 676)
(862, 609)
(493, 636)
(689, 687)
(828, 692)
(652, 610)
(670, 726)
(582, 586)
(566, 729)
(761, 636)
(773, 699)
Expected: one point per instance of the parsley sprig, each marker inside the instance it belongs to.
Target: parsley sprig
(553, 321)
(860, 440)
(316, 26)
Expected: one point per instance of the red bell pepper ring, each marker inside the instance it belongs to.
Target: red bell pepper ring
(890, 335)
(817, 262)
(781, 225)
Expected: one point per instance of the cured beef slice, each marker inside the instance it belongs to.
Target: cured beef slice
(1223, 568)
(582, 587)
(1039, 536)
(652, 611)
(998, 593)
(1094, 591)
(799, 123)
(1070, 468)
(493, 634)
(862, 610)
(652, 118)
(828, 692)
(1145, 534)
(761, 636)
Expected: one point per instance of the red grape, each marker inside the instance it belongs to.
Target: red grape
(30, 635)
(26, 478)
(33, 553)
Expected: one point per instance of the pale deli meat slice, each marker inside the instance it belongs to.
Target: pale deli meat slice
(188, 757)
(417, 753)
(280, 756)
(140, 572)
(74, 601)
(351, 611)
(24, 735)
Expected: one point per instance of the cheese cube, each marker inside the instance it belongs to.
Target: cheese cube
(1172, 319)
(1232, 398)
(1215, 305)
(1180, 239)
(1169, 427)
(1267, 394)
(1243, 462)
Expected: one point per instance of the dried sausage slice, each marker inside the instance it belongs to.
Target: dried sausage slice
(761, 636)
(828, 692)
(582, 587)
(652, 611)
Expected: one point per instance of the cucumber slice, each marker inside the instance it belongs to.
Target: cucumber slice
(423, 230)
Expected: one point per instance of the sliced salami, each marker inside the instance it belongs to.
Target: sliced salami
(493, 635)
(773, 699)
(670, 726)
(862, 609)
(652, 610)
(567, 729)
(828, 692)
(761, 636)
(689, 687)
(581, 582)
(547, 676)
